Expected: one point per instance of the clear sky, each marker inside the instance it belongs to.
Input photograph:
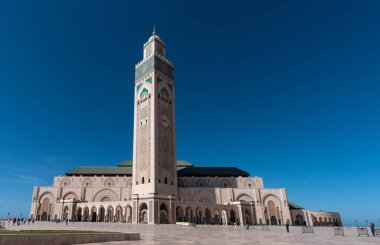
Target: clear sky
(286, 90)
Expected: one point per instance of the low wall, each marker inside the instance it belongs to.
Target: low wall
(318, 230)
(66, 239)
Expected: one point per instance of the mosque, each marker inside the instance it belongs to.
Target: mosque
(155, 187)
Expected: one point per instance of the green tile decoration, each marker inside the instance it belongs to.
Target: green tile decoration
(143, 91)
(145, 68)
(154, 63)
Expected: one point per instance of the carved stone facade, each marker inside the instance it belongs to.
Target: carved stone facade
(154, 187)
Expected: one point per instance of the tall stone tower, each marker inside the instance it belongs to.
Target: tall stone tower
(154, 184)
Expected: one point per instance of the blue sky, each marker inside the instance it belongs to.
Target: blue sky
(286, 90)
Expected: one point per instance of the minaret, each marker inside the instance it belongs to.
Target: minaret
(154, 184)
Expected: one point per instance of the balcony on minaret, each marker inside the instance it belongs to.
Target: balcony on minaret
(154, 60)
(154, 46)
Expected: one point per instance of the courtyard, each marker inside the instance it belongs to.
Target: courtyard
(207, 234)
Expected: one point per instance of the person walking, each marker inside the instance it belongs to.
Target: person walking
(287, 227)
(372, 226)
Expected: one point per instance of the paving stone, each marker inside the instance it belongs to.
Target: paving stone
(207, 234)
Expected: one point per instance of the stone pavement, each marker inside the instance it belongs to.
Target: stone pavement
(207, 234)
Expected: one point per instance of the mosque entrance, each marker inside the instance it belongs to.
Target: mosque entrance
(143, 217)
(93, 217)
(273, 220)
(44, 216)
(163, 214)
(232, 215)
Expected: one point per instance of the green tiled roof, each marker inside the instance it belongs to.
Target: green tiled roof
(294, 206)
(126, 163)
(183, 163)
(212, 171)
(184, 168)
(100, 171)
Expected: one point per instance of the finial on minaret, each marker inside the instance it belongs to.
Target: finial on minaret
(154, 30)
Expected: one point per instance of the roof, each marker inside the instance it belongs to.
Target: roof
(126, 163)
(294, 206)
(212, 171)
(184, 168)
(180, 163)
(100, 171)
(183, 163)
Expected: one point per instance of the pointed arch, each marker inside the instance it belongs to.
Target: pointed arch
(244, 197)
(128, 213)
(179, 214)
(105, 195)
(164, 214)
(70, 195)
(189, 215)
(143, 213)
(144, 91)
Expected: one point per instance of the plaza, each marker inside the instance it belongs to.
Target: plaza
(208, 234)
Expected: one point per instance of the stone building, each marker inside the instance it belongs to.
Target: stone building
(156, 188)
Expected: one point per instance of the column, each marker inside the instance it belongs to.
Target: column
(240, 215)
(135, 212)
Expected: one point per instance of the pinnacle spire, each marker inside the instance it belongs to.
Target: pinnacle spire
(154, 30)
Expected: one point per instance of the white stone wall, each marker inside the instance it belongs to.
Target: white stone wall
(82, 189)
(315, 218)
(244, 196)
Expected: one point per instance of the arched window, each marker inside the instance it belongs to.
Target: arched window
(164, 96)
(166, 180)
(249, 185)
(225, 185)
(144, 100)
(142, 180)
